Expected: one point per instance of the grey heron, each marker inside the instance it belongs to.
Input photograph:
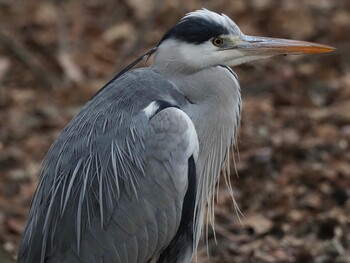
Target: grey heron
(130, 177)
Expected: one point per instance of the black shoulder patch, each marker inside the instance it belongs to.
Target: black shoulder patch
(161, 105)
(183, 239)
(195, 30)
(164, 104)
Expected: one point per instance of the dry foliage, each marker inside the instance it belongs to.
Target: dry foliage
(293, 183)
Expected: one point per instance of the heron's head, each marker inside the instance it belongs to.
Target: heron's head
(204, 39)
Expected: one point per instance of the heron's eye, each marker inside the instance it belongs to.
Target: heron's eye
(218, 41)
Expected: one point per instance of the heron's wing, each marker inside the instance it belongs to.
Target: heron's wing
(114, 184)
(148, 214)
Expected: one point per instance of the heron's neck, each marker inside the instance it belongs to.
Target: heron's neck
(215, 101)
(215, 108)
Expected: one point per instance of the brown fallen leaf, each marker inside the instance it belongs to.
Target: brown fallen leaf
(4, 67)
(120, 31)
(71, 70)
(16, 225)
(258, 223)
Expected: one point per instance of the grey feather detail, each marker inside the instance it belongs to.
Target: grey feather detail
(71, 182)
(90, 168)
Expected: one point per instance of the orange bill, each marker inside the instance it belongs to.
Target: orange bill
(274, 46)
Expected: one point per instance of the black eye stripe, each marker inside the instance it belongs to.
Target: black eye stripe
(196, 30)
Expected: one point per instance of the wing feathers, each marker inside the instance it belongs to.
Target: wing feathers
(115, 179)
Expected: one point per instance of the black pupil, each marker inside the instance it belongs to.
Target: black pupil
(218, 41)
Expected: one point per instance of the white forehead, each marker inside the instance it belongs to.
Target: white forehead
(222, 19)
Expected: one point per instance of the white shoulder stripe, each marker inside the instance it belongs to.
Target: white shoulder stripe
(151, 109)
(192, 137)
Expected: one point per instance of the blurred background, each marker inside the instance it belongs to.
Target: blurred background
(293, 167)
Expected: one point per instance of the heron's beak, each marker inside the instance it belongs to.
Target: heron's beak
(266, 46)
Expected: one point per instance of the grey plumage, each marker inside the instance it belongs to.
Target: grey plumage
(129, 178)
(91, 161)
